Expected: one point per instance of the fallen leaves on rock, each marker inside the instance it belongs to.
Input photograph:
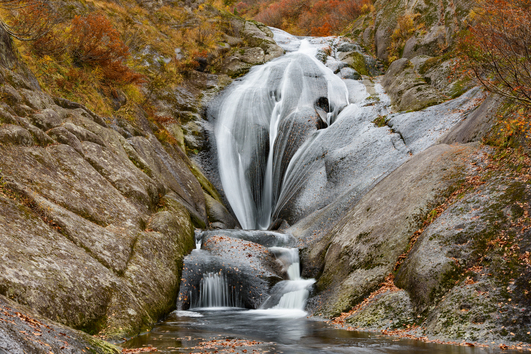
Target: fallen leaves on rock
(387, 285)
(139, 350)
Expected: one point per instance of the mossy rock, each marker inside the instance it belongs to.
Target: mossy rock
(390, 310)
(380, 121)
(356, 61)
(364, 248)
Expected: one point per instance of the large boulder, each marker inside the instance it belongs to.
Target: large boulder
(356, 256)
(260, 48)
(462, 272)
(219, 215)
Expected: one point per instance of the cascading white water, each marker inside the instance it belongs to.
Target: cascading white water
(295, 291)
(253, 151)
(295, 295)
(198, 239)
(215, 291)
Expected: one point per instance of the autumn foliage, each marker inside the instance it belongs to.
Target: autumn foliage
(497, 48)
(90, 41)
(28, 20)
(94, 41)
(317, 18)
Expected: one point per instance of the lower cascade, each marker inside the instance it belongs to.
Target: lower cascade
(214, 291)
(259, 276)
(292, 293)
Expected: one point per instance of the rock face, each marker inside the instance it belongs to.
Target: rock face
(23, 331)
(93, 225)
(476, 126)
(420, 70)
(446, 258)
(436, 25)
(261, 48)
(95, 215)
(408, 90)
(363, 248)
(461, 281)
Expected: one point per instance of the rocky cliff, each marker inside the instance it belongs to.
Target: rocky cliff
(97, 213)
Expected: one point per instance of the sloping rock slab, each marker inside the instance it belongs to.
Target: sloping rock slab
(363, 248)
(22, 331)
(458, 270)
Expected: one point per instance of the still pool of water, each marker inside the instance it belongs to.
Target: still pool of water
(270, 331)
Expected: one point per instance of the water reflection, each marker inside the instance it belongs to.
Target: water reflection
(278, 332)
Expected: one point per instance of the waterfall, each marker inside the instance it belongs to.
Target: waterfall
(285, 137)
(292, 293)
(262, 123)
(215, 291)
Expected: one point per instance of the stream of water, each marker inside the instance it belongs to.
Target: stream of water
(258, 332)
(242, 291)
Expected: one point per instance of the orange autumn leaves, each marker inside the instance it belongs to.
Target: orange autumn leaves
(316, 18)
(91, 41)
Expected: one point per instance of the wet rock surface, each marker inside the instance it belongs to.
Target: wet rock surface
(263, 238)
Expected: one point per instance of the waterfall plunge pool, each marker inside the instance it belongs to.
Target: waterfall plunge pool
(217, 323)
(272, 331)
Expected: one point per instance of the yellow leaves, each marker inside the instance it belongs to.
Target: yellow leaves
(477, 13)
(407, 25)
(367, 8)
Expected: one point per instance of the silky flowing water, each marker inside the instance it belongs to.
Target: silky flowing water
(278, 131)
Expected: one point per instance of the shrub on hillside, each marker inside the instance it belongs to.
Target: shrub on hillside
(28, 20)
(94, 41)
(406, 27)
(89, 41)
(496, 50)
